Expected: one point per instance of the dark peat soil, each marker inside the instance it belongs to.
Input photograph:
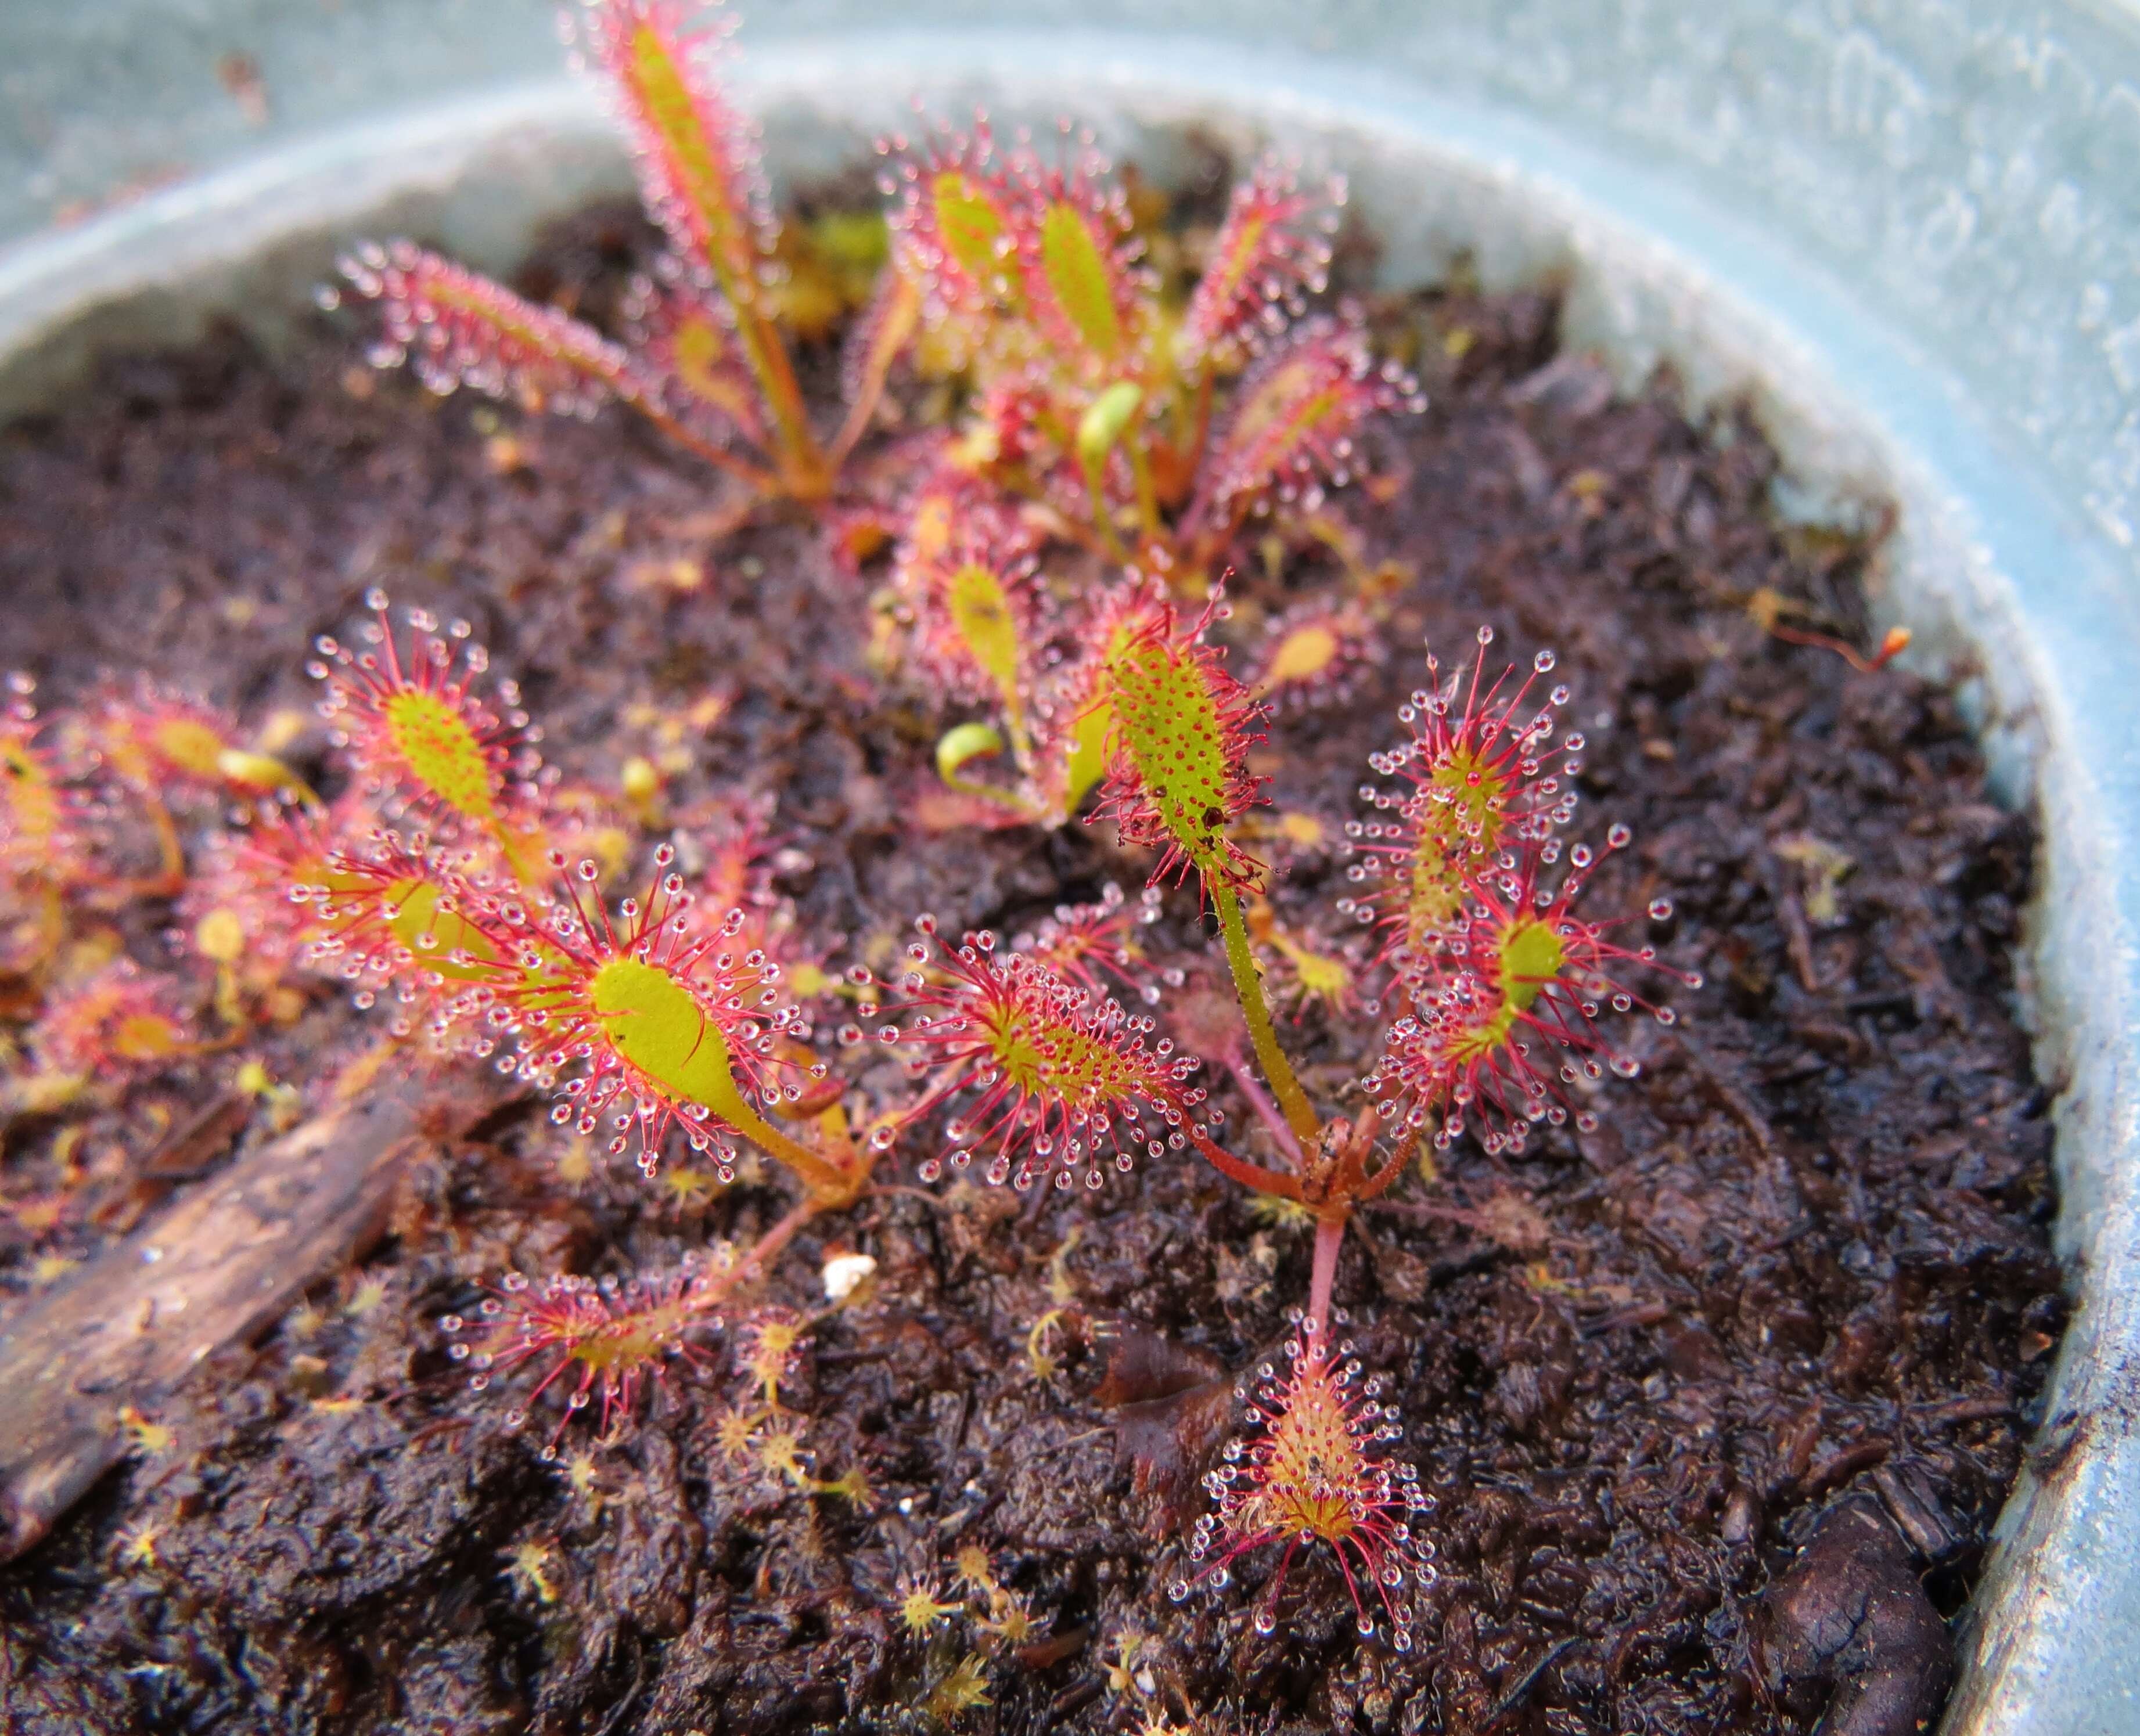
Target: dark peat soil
(1692, 1393)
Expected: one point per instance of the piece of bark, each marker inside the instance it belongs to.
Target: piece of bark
(214, 1270)
(1848, 1635)
(186, 1154)
(190, 1150)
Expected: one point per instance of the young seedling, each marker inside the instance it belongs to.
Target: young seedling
(1095, 401)
(1095, 946)
(1315, 655)
(1483, 790)
(1505, 1019)
(119, 1021)
(762, 1432)
(620, 1334)
(1313, 1470)
(710, 366)
(44, 847)
(921, 1609)
(1053, 1077)
(657, 1027)
(422, 740)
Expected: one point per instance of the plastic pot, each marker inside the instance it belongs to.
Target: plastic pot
(1909, 233)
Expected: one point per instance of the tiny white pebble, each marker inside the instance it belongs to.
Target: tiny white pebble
(843, 1272)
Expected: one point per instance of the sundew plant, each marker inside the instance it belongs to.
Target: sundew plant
(1043, 574)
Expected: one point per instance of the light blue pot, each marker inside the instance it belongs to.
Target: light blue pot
(1910, 230)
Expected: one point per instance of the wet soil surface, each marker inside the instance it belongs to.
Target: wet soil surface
(1715, 1404)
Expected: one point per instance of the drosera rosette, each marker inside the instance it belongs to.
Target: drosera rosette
(659, 1023)
(1094, 399)
(1505, 1027)
(1316, 655)
(1095, 946)
(616, 1335)
(403, 916)
(422, 739)
(115, 1022)
(1020, 262)
(151, 738)
(659, 1018)
(1048, 1078)
(42, 832)
(1269, 255)
(1483, 780)
(706, 363)
(1177, 761)
(1181, 729)
(246, 909)
(1315, 1468)
(1292, 431)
